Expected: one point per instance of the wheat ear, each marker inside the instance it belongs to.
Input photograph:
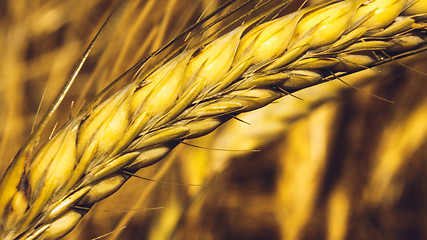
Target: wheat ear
(269, 123)
(190, 95)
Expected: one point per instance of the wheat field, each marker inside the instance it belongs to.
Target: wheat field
(341, 160)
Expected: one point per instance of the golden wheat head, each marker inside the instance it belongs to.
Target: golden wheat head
(189, 95)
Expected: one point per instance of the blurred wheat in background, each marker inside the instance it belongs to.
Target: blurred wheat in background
(340, 160)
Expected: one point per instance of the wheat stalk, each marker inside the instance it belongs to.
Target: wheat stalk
(190, 95)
